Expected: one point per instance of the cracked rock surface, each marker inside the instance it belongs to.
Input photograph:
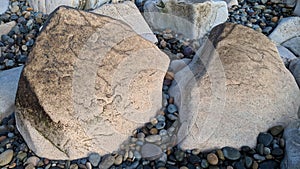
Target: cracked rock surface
(233, 89)
(82, 88)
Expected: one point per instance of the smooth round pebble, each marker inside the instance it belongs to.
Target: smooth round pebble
(212, 159)
(231, 153)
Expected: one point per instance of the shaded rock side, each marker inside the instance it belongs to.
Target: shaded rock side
(89, 82)
(234, 88)
(130, 14)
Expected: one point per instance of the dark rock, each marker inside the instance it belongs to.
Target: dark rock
(269, 164)
(265, 139)
(231, 153)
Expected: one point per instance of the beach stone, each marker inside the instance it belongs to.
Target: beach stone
(8, 88)
(102, 91)
(94, 158)
(212, 159)
(287, 28)
(151, 151)
(3, 6)
(293, 44)
(32, 160)
(231, 153)
(292, 148)
(6, 27)
(265, 139)
(214, 90)
(6, 157)
(107, 162)
(130, 14)
(193, 20)
(294, 67)
(286, 55)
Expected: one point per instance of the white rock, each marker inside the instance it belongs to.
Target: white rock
(3, 6)
(293, 45)
(234, 88)
(193, 20)
(48, 6)
(286, 55)
(287, 28)
(5, 28)
(130, 14)
(8, 88)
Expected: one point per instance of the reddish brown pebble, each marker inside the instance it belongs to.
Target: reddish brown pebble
(2, 138)
(274, 19)
(169, 75)
(171, 100)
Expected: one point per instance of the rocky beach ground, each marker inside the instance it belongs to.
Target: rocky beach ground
(261, 15)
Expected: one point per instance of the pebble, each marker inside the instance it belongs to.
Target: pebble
(32, 160)
(153, 138)
(276, 130)
(6, 157)
(204, 164)
(248, 162)
(220, 154)
(107, 162)
(151, 151)
(179, 155)
(118, 159)
(94, 159)
(277, 152)
(231, 153)
(265, 139)
(172, 108)
(212, 159)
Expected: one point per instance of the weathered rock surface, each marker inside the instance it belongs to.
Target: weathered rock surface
(234, 88)
(130, 14)
(287, 28)
(5, 28)
(193, 20)
(48, 6)
(286, 55)
(293, 44)
(8, 88)
(292, 148)
(294, 67)
(86, 89)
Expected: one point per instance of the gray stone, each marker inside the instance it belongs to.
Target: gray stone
(86, 89)
(3, 6)
(107, 162)
(287, 28)
(8, 88)
(286, 55)
(293, 45)
(94, 158)
(292, 149)
(295, 70)
(151, 151)
(193, 20)
(231, 153)
(130, 14)
(214, 90)
(177, 65)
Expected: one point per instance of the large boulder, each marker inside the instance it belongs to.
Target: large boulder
(130, 14)
(192, 19)
(89, 82)
(234, 88)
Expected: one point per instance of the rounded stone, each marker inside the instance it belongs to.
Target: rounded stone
(179, 155)
(248, 161)
(107, 162)
(204, 163)
(276, 130)
(153, 138)
(212, 159)
(6, 157)
(231, 153)
(94, 159)
(277, 152)
(172, 108)
(220, 154)
(151, 151)
(265, 139)
(118, 160)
